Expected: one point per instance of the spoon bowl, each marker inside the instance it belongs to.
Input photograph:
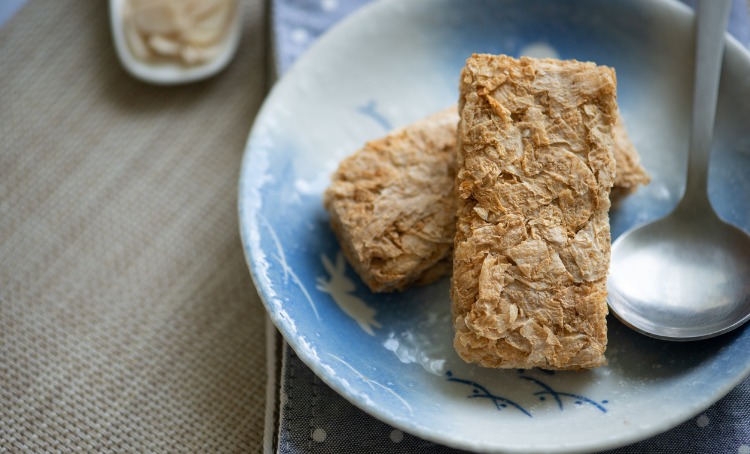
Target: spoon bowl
(681, 280)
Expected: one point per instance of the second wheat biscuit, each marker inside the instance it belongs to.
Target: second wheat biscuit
(535, 168)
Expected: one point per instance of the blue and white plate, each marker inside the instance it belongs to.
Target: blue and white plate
(391, 355)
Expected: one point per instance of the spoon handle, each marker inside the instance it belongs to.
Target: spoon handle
(712, 17)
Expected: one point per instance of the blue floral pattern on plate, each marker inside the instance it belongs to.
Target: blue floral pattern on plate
(481, 392)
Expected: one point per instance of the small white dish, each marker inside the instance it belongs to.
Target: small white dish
(172, 73)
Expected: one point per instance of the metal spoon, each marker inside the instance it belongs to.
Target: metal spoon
(687, 276)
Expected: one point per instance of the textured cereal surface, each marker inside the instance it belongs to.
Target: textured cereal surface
(392, 205)
(535, 168)
(427, 267)
(630, 173)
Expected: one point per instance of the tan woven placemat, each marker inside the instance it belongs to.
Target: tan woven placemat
(128, 320)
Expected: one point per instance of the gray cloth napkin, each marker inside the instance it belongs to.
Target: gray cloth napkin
(312, 418)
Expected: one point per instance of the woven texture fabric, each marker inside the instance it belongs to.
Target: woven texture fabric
(314, 419)
(128, 319)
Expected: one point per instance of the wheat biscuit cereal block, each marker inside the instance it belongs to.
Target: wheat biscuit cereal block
(534, 170)
(357, 187)
(392, 205)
